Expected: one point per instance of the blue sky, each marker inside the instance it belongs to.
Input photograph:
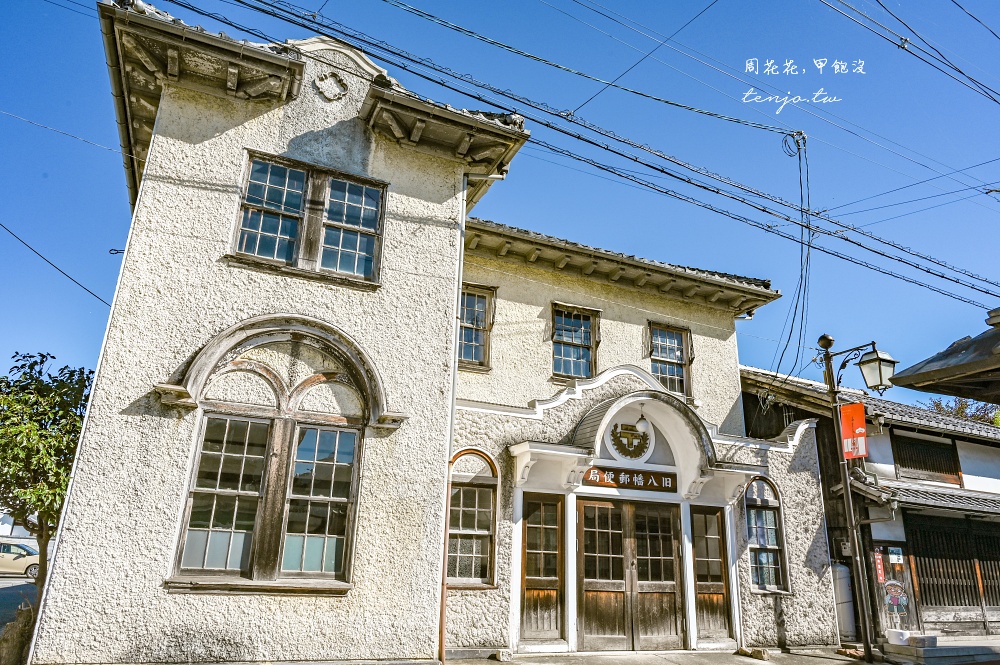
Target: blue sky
(897, 123)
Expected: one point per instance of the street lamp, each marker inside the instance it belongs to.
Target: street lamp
(877, 368)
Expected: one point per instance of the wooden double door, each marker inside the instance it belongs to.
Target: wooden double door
(631, 590)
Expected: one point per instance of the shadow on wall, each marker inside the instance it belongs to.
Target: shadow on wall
(346, 146)
(215, 115)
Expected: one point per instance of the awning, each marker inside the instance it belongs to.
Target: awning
(967, 501)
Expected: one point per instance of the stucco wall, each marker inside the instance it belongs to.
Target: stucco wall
(105, 602)
(806, 614)
(980, 467)
(521, 347)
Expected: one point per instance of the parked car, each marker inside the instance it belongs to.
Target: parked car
(18, 559)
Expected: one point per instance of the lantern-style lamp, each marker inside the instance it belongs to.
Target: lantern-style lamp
(642, 425)
(877, 368)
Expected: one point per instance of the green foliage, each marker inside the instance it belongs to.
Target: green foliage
(41, 416)
(963, 407)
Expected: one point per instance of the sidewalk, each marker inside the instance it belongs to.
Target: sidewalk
(669, 658)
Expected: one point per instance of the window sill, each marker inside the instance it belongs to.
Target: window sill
(563, 380)
(241, 261)
(228, 584)
(470, 585)
(770, 591)
(472, 367)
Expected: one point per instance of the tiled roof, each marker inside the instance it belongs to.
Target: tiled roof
(694, 272)
(933, 497)
(894, 412)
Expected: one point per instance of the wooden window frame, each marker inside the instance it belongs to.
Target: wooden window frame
(687, 347)
(264, 573)
(312, 222)
(771, 505)
(488, 292)
(595, 338)
(906, 473)
(488, 582)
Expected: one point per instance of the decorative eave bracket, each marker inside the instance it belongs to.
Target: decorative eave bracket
(573, 462)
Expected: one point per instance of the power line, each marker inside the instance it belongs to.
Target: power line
(922, 198)
(974, 18)
(394, 56)
(806, 109)
(59, 131)
(615, 137)
(63, 272)
(70, 9)
(536, 58)
(643, 58)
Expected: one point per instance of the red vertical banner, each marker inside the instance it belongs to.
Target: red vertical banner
(853, 435)
(879, 566)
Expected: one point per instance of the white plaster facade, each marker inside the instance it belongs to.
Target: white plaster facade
(198, 331)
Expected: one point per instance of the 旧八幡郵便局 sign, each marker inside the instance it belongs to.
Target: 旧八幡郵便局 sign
(630, 479)
(853, 432)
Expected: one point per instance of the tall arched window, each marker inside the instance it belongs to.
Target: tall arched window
(275, 477)
(472, 519)
(764, 535)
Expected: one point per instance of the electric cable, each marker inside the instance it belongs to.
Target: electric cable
(61, 271)
(974, 18)
(398, 58)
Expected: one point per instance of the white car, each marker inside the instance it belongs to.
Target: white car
(18, 559)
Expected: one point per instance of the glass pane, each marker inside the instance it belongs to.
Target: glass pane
(338, 190)
(333, 561)
(317, 517)
(292, 559)
(239, 551)
(342, 482)
(297, 515)
(327, 446)
(208, 471)
(345, 448)
(323, 482)
(253, 471)
(257, 439)
(302, 480)
(194, 549)
(229, 476)
(215, 434)
(313, 560)
(246, 514)
(201, 511)
(307, 445)
(218, 549)
(225, 512)
(338, 519)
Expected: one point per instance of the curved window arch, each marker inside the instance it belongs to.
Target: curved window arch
(472, 518)
(274, 484)
(765, 537)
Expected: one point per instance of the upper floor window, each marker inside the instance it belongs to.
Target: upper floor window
(764, 535)
(475, 321)
(669, 357)
(924, 459)
(312, 219)
(574, 341)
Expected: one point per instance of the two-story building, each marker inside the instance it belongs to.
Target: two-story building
(335, 419)
(928, 494)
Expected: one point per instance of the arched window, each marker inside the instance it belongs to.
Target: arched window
(764, 535)
(472, 519)
(274, 486)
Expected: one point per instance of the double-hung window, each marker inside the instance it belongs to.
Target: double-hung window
(311, 219)
(669, 357)
(764, 535)
(472, 519)
(574, 341)
(475, 321)
(270, 502)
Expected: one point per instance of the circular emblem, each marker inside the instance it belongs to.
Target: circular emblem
(331, 86)
(628, 442)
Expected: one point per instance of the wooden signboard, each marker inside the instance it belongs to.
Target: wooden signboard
(630, 479)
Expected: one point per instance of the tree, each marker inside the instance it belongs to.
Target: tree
(41, 417)
(968, 409)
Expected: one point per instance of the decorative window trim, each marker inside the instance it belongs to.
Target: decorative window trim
(595, 338)
(462, 481)
(751, 503)
(489, 292)
(688, 350)
(307, 261)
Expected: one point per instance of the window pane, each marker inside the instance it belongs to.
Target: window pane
(292, 559)
(326, 447)
(345, 447)
(218, 549)
(307, 445)
(194, 549)
(313, 559)
(215, 435)
(201, 511)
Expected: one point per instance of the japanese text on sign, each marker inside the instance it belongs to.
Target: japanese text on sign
(630, 479)
(853, 431)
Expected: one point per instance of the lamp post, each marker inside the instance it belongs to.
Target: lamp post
(877, 369)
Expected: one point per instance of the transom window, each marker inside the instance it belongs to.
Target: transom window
(472, 520)
(475, 322)
(924, 459)
(311, 219)
(668, 357)
(764, 535)
(574, 342)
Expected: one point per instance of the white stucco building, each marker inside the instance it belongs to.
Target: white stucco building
(336, 417)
